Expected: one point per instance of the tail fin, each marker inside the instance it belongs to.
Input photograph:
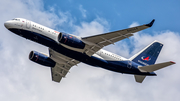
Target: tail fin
(147, 58)
(148, 55)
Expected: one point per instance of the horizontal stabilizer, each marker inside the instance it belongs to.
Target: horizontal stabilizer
(155, 67)
(139, 78)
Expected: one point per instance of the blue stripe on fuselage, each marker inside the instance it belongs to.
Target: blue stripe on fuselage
(116, 66)
(128, 67)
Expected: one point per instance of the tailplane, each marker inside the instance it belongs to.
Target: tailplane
(151, 68)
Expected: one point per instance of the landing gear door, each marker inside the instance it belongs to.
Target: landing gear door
(28, 24)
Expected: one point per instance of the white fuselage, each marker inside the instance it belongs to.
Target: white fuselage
(21, 23)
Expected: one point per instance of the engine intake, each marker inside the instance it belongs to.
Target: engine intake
(71, 41)
(41, 59)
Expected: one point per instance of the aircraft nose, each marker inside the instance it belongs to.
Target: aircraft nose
(7, 24)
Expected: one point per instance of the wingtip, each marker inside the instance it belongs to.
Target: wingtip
(172, 62)
(151, 23)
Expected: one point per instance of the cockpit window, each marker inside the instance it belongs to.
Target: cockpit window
(16, 19)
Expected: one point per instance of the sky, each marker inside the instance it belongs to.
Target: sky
(22, 79)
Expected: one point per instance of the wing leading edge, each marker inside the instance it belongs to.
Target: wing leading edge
(95, 43)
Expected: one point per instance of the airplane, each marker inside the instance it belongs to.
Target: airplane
(67, 50)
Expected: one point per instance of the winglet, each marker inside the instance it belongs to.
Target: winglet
(172, 62)
(151, 23)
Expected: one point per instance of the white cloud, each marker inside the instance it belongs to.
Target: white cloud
(22, 79)
(94, 27)
(134, 24)
(83, 11)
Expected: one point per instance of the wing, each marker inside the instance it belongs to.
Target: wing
(94, 43)
(63, 65)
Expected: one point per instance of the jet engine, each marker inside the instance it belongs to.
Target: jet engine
(41, 59)
(71, 41)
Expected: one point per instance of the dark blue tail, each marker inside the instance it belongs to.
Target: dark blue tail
(148, 55)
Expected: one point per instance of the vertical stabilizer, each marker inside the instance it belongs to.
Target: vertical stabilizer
(148, 55)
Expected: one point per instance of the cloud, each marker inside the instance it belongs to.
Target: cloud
(83, 11)
(22, 79)
(134, 24)
(97, 26)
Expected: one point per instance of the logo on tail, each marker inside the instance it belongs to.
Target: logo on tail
(146, 59)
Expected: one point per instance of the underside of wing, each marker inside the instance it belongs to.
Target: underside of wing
(55, 76)
(99, 41)
(63, 65)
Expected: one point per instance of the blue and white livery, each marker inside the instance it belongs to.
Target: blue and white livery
(66, 50)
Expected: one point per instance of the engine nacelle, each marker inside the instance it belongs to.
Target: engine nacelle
(41, 59)
(71, 41)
